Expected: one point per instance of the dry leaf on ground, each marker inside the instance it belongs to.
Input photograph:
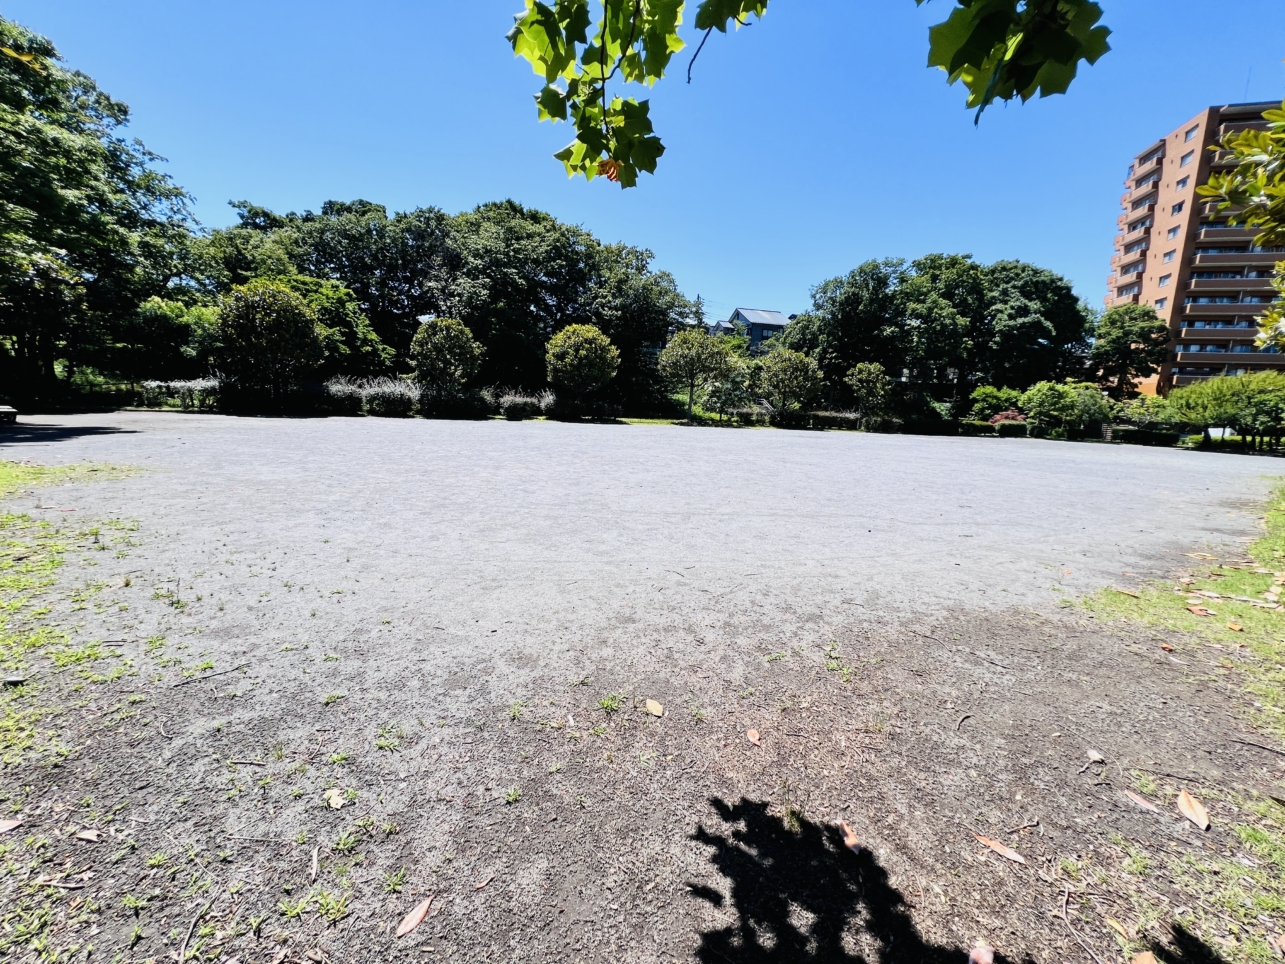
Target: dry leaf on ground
(654, 708)
(1006, 852)
(7, 825)
(1119, 928)
(1146, 957)
(753, 737)
(415, 917)
(1277, 943)
(91, 835)
(315, 868)
(849, 837)
(1125, 592)
(1141, 801)
(1193, 810)
(484, 883)
(982, 954)
(1236, 627)
(1201, 611)
(1166, 647)
(335, 797)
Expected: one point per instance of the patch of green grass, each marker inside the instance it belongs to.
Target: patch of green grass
(612, 702)
(513, 796)
(393, 883)
(333, 698)
(1256, 650)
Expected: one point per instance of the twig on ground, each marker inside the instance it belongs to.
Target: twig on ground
(198, 679)
(1259, 745)
(1066, 895)
(182, 954)
(249, 763)
(966, 716)
(1026, 826)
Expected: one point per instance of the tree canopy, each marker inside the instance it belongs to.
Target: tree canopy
(998, 49)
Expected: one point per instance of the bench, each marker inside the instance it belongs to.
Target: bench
(8, 415)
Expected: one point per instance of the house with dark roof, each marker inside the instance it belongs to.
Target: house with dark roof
(757, 324)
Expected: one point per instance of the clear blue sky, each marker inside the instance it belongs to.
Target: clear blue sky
(807, 143)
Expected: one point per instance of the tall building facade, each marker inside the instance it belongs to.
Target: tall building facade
(1176, 252)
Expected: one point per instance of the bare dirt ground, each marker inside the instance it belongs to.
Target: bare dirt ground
(455, 627)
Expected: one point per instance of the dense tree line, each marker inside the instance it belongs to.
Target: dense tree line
(105, 279)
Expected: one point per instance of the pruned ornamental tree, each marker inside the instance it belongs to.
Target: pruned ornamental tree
(693, 359)
(267, 339)
(581, 360)
(445, 356)
(788, 380)
(998, 49)
(871, 390)
(1129, 343)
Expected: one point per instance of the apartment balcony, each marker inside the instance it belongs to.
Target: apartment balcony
(1114, 300)
(1223, 311)
(1253, 286)
(1233, 359)
(1136, 234)
(1237, 234)
(1223, 160)
(1219, 334)
(1140, 192)
(1232, 127)
(1238, 259)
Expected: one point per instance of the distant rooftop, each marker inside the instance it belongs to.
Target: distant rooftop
(759, 316)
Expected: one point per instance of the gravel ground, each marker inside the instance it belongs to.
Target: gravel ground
(470, 592)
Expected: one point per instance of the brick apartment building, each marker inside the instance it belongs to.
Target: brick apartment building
(1176, 253)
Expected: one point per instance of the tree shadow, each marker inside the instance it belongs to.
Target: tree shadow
(27, 432)
(801, 897)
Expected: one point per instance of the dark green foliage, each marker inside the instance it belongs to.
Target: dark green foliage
(389, 398)
(976, 428)
(88, 227)
(267, 342)
(1011, 429)
(988, 401)
(350, 347)
(788, 380)
(581, 359)
(1130, 342)
(947, 322)
(1140, 436)
(445, 356)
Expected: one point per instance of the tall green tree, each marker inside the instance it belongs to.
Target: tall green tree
(1129, 343)
(87, 223)
(267, 340)
(871, 390)
(693, 359)
(789, 380)
(998, 49)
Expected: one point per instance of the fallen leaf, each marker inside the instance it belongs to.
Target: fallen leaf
(982, 954)
(415, 917)
(1206, 593)
(335, 797)
(1193, 810)
(1199, 555)
(1277, 943)
(1125, 592)
(1146, 957)
(753, 737)
(1236, 627)
(1143, 802)
(1094, 756)
(1201, 611)
(484, 883)
(1116, 926)
(90, 834)
(1166, 647)
(849, 837)
(7, 825)
(654, 708)
(1006, 852)
(316, 863)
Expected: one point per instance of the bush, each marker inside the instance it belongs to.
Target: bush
(1009, 415)
(343, 397)
(445, 355)
(389, 398)
(515, 407)
(475, 404)
(192, 395)
(581, 359)
(267, 341)
(788, 380)
(1142, 436)
(1010, 429)
(976, 428)
(989, 401)
(847, 421)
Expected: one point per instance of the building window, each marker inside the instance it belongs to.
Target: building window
(1136, 246)
(1191, 133)
(1165, 279)
(1173, 232)
(1169, 256)
(1161, 302)
(1186, 158)
(1177, 208)
(1151, 199)
(1182, 184)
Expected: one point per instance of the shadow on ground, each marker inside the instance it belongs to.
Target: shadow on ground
(26, 432)
(803, 897)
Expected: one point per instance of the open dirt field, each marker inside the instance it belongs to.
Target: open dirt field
(455, 628)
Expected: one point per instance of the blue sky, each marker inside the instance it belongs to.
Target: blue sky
(807, 143)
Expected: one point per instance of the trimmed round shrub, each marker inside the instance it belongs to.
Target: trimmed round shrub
(516, 407)
(581, 359)
(343, 397)
(976, 428)
(445, 355)
(267, 340)
(389, 398)
(1010, 429)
